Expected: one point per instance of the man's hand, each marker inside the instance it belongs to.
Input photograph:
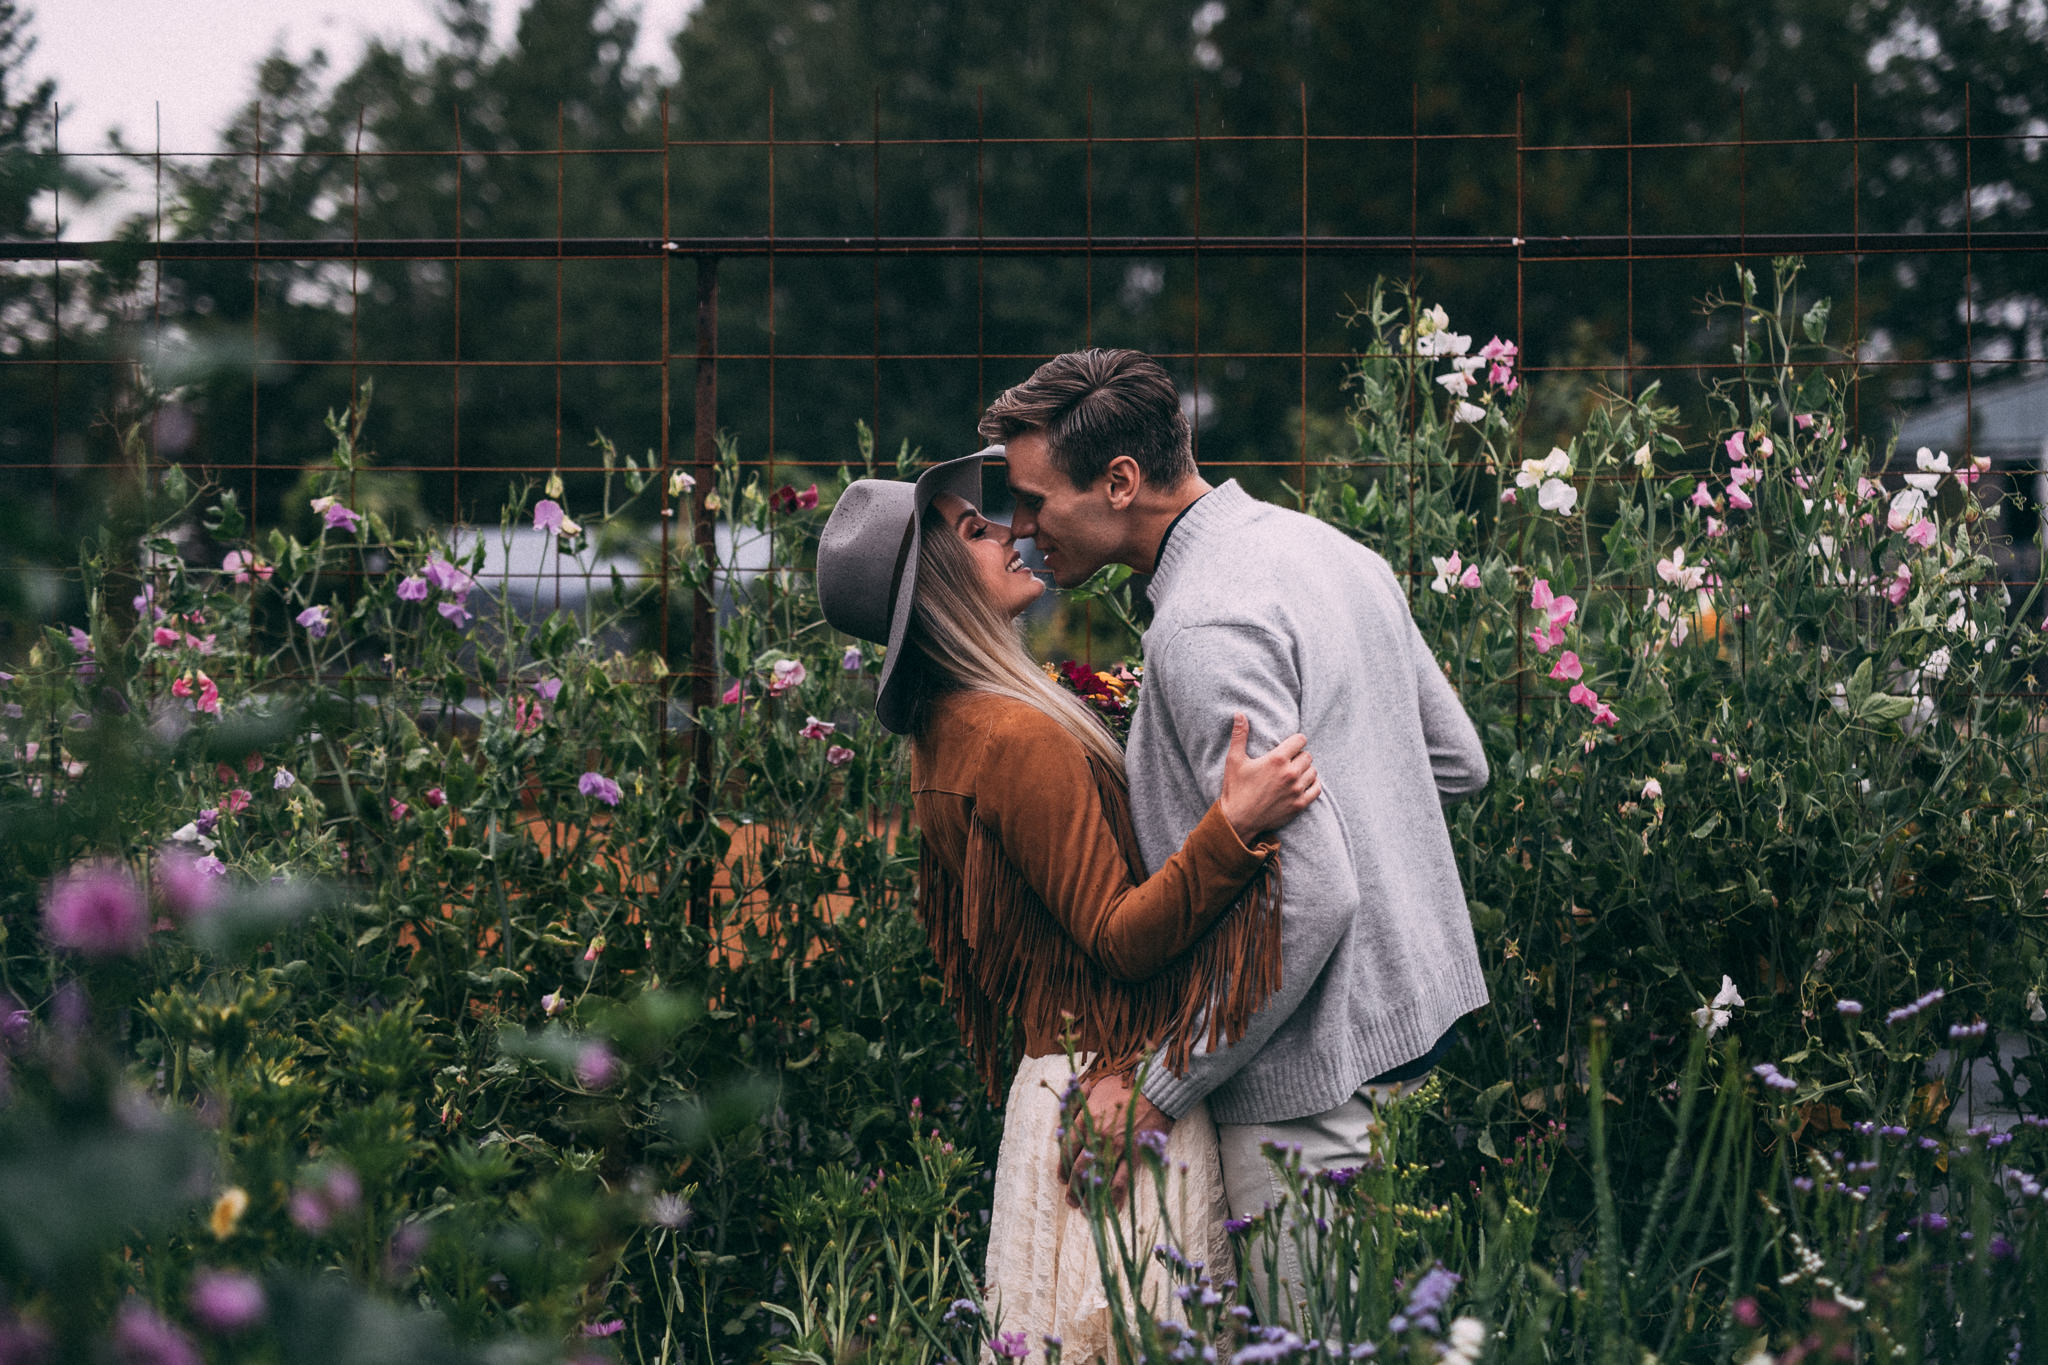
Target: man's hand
(1118, 1114)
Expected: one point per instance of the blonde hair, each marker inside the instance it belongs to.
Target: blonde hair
(962, 641)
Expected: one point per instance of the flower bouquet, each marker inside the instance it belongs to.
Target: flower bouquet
(1113, 693)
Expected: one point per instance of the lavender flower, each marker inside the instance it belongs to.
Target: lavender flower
(547, 689)
(187, 886)
(599, 786)
(412, 588)
(454, 613)
(447, 578)
(596, 1067)
(316, 622)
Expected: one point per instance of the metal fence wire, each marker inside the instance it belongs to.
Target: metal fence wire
(690, 315)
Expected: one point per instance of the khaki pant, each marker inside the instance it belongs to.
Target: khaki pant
(1329, 1141)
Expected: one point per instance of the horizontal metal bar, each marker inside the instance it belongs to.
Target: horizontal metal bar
(1596, 247)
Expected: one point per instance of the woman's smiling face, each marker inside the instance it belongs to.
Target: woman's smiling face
(1010, 586)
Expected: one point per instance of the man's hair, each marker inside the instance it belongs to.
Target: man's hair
(1095, 405)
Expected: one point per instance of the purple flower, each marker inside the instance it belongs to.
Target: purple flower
(226, 1301)
(851, 659)
(412, 588)
(204, 822)
(608, 1328)
(447, 578)
(547, 689)
(596, 1067)
(142, 1337)
(308, 1212)
(1431, 1292)
(342, 1190)
(336, 517)
(24, 1343)
(454, 613)
(838, 755)
(1011, 1346)
(97, 909)
(314, 619)
(599, 786)
(547, 516)
(283, 781)
(144, 603)
(1851, 1008)
(185, 883)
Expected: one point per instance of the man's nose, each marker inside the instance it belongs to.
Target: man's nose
(1022, 525)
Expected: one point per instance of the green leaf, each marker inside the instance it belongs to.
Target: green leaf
(1706, 826)
(1815, 323)
(1859, 687)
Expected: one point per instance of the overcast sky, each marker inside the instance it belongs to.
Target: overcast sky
(119, 63)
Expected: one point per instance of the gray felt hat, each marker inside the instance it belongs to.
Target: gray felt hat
(867, 566)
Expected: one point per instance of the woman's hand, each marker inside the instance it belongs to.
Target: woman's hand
(1266, 792)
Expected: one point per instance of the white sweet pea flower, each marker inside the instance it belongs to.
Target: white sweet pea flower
(1457, 381)
(1715, 1014)
(1936, 667)
(1653, 790)
(1465, 1341)
(1557, 496)
(1932, 467)
(2034, 1010)
(1467, 412)
(1675, 571)
(189, 834)
(1908, 506)
(1640, 458)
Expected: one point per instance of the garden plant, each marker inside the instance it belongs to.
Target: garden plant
(384, 975)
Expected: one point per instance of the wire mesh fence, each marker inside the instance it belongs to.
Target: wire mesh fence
(900, 282)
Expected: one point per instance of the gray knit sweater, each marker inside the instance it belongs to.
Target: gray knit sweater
(1263, 610)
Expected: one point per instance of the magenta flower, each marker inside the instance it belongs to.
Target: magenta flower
(737, 692)
(610, 1327)
(98, 909)
(226, 1301)
(1582, 695)
(1567, 668)
(527, 715)
(816, 729)
(436, 798)
(142, 1337)
(1700, 496)
(547, 689)
(454, 613)
(200, 690)
(838, 755)
(186, 886)
(236, 801)
(316, 622)
(399, 810)
(1011, 1346)
(599, 786)
(1603, 714)
(412, 588)
(596, 1067)
(445, 577)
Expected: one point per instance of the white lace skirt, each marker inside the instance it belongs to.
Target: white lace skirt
(1043, 1275)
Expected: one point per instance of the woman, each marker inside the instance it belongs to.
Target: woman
(1032, 893)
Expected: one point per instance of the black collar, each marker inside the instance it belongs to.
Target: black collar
(1166, 535)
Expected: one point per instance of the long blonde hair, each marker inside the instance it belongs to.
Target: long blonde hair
(962, 641)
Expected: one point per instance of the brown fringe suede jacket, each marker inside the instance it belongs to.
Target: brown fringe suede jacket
(1039, 910)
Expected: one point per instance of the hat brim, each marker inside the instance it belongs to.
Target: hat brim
(962, 478)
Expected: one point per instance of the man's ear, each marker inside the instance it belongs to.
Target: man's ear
(1125, 481)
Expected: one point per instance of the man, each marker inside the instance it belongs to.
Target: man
(1263, 610)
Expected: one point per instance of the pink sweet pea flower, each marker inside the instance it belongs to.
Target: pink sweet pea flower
(1716, 528)
(1738, 499)
(200, 689)
(816, 729)
(1700, 496)
(96, 908)
(1734, 447)
(398, 809)
(1744, 474)
(1800, 481)
(786, 674)
(1507, 495)
(526, 715)
(243, 567)
(1547, 637)
(1921, 533)
(1979, 466)
(547, 516)
(735, 694)
(1603, 714)
(838, 755)
(1567, 668)
(436, 798)
(1901, 584)
(1582, 695)
(599, 786)
(1803, 420)
(1867, 488)
(1764, 446)
(236, 801)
